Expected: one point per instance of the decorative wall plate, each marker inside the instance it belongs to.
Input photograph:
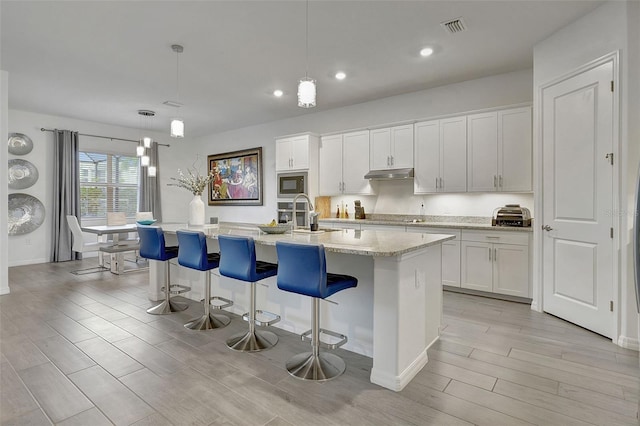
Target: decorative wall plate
(19, 144)
(22, 174)
(26, 214)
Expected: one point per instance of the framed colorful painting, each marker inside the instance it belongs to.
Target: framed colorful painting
(237, 178)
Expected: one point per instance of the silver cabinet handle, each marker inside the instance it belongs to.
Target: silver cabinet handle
(437, 183)
(344, 186)
(500, 181)
(495, 178)
(495, 255)
(441, 183)
(392, 160)
(547, 228)
(489, 254)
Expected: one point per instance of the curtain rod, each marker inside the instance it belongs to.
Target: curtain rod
(42, 129)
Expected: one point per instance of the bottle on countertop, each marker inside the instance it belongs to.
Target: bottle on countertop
(337, 211)
(346, 211)
(342, 211)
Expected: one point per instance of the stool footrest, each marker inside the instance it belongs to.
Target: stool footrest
(273, 318)
(343, 339)
(177, 289)
(227, 303)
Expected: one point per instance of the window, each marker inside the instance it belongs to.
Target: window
(108, 183)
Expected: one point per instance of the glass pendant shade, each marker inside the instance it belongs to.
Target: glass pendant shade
(144, 160)
(177, 128)
(307, 93)
(140, 150)
(147, 141)
(152, 171)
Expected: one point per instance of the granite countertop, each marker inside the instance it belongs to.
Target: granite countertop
(451, 222)
(350, 241)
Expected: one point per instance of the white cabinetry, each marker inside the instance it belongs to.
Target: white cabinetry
(450, 254)
(292, 153)
(499, 151)
(496, 262)
(391, 148)
(440, 156)
(344, 160)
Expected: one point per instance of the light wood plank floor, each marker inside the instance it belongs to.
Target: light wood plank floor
(81, 350)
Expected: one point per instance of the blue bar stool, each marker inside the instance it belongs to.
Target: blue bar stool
(302, 269)
(238, 260)
(152, 246)
(193, 254)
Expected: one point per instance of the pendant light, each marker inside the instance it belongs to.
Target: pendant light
(306, 85)
(177, 125)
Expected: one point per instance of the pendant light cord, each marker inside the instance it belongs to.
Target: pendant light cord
(306, 71)
(177, 76)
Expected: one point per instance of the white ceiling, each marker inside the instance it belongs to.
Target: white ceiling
(104, 60)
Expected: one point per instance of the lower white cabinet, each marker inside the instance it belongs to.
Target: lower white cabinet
(490, 265)
(450, 254)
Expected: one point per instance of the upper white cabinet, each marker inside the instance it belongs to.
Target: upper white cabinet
(499, 151)
(440, 156)
(344, 160)
(515, 150)
(391, 148)
(292, 153)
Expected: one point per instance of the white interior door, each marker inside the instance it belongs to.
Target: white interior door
(577, 135)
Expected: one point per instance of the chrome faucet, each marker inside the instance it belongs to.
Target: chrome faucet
(295, 215)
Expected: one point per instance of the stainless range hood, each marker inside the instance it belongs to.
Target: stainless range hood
(390, 174)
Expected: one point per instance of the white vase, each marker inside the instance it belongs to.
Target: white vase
(196, 211)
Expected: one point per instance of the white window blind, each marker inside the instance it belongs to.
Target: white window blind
(108, 183)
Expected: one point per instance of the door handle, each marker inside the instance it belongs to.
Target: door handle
(547, 228)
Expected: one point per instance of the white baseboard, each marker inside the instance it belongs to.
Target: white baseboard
(629, 343)
(27, 262)
(4, 290)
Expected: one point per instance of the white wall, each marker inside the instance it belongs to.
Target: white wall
(609, 28)
(4, 248)
(505, 89)
(35, 247)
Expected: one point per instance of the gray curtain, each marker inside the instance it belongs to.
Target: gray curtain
(149, 193)
(66, 193)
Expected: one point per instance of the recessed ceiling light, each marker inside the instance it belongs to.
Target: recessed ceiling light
(278, 93)
(341, 75)
(427, 51)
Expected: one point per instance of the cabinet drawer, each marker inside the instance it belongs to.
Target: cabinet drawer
(505, 237)
(424, 230)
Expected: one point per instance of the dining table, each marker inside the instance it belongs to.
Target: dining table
(116, 250)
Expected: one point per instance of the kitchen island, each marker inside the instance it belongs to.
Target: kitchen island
(393, 315)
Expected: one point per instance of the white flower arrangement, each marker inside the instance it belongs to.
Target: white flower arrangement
(193, 182)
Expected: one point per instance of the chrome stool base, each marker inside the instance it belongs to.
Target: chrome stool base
(167, 307)
(320, 368)
(208, 322)
(252, 341)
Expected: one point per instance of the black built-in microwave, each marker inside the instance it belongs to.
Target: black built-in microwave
(290, 184)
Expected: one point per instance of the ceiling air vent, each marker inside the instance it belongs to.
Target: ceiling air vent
(454, 26)
(174, 104)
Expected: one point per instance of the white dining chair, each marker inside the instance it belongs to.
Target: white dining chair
(80, 246)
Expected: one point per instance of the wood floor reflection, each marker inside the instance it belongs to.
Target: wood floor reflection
(81, 350)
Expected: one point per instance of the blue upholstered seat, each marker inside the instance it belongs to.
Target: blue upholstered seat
(193, 254)
(152, 244)
(303, 270)
(193, 251)
(239, 260)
